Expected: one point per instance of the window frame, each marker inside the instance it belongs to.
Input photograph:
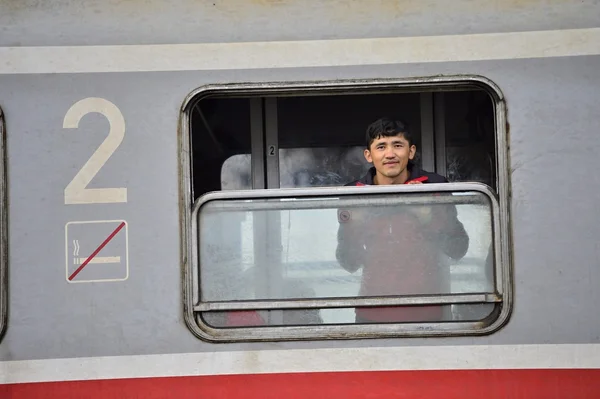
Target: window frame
(502, 235)
(3, 230)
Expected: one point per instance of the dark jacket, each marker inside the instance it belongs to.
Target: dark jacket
(399, 252)
(416, 173)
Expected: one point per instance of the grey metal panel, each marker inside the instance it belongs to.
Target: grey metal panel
(74, 319)
(427, 149)
(257, 158)
(439, 122)
(273, 222)
(93, 22)
(271, 143)
(552, 110)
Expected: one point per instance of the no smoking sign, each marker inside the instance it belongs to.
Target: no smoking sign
(96, 251)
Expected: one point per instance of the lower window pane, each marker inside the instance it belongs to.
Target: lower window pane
(346, 248)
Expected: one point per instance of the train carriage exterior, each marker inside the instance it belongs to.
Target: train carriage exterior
(172, 187)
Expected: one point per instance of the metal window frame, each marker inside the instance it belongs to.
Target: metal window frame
(3, 230)
(340, 331)
(332, 303)
(439, 123)
(257, 146)
(427, 149)
(303, 200)
(502, 234)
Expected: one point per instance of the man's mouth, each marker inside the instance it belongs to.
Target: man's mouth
(391, 163)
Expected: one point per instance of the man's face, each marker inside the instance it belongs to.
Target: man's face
(390, 155)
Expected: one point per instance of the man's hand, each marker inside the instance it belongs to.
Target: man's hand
(423, 213)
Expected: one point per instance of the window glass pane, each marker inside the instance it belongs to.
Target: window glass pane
(470, 137)
(345, 247)
(322, 138)
(220, 145)
(236, 173)
(340, 120)
(320, 167)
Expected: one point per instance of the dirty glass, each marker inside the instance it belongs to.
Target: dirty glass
(236, 173)
(321, 166)
(347, 247)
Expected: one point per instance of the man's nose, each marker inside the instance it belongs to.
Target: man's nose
(389, 153)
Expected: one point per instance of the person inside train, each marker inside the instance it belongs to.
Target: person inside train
(399, 248)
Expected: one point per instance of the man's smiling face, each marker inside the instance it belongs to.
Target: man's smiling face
(390, 156)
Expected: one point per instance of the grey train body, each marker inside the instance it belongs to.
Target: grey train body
(551, 142)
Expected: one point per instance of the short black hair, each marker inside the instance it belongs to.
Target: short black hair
(387, 127)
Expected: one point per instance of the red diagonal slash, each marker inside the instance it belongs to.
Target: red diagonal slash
(110, 237)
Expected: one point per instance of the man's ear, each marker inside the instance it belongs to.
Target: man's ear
(412, 152)
(367, 155)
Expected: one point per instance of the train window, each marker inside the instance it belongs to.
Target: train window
(221, 145)
(280, 264)
(343, 272)
(3, 230)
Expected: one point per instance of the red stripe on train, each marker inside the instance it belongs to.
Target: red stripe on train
(454, 384)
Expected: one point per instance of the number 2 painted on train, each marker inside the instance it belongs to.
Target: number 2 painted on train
(76, 191)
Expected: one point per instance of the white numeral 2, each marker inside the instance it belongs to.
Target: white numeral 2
(76, 191)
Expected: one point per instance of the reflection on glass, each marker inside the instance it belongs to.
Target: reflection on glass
(469, 164)
(470, 136)
(320, 167)
(236, 173)
(348, 247)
